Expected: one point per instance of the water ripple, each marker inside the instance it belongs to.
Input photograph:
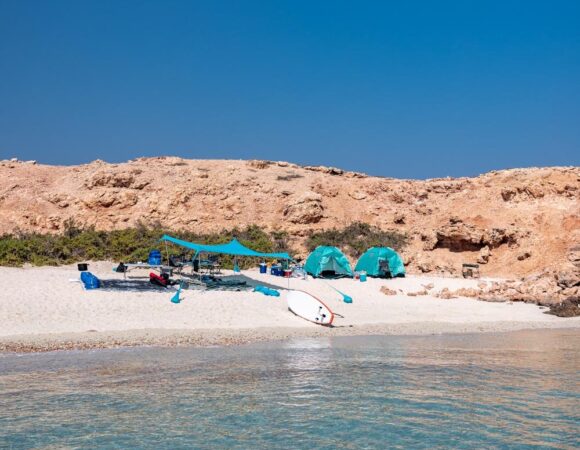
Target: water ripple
(518, 390)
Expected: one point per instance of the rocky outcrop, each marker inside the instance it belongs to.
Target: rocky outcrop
(548, 288)
(458, 236)
(305, 209)
(514, 222)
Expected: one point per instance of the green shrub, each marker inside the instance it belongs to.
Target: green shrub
(131, 244)
(356, 238)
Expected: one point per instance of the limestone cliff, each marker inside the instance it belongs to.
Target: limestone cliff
(512, 222)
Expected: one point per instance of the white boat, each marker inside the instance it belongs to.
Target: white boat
(309, 307)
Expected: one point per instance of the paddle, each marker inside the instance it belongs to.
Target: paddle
(175, 298)
(346, 298)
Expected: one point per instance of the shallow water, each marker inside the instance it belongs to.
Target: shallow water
(516, 390)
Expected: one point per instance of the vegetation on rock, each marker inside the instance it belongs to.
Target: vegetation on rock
(356, 238)
(132, 244)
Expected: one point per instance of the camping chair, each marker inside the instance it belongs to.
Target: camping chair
(211, 264)
(214, 264)
(384, 268)
(176, 260)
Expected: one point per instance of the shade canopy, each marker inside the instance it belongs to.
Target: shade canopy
(234, 247)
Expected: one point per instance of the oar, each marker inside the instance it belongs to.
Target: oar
(345, 298)
(175, 298)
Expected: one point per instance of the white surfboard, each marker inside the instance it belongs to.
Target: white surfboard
(309, 307)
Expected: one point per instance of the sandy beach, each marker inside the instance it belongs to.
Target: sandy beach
(44, 309)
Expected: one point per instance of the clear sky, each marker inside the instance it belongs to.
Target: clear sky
(412, 89)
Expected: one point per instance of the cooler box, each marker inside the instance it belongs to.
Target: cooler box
(155, 258)
(263, 268)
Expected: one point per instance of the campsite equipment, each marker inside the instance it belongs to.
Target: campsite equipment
(470, 271)
(236, 267)
(345, 298)
(82, 267)
(309, 307)
(90, 281)
(121, 268)
(327, 262)
(263, 268)
(381, 262)
(363, 276)
(267, 291)
(154, 257)
(160, 280)
(175, 299)
(276, 270)
(234, 247)
(287, 273)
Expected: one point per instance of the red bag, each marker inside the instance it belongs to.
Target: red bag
(159, 280)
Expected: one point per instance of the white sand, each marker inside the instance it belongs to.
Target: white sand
(42, 301)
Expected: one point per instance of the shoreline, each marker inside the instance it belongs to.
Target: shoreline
(53, 313)
(42, 343)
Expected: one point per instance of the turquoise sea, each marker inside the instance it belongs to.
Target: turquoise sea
(513, 390)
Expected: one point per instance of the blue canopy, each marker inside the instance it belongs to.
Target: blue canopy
(234, 247)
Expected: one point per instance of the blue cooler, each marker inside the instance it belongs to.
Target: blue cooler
(263, 268)
(155, 258)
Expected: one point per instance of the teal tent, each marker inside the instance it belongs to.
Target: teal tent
(327, 262)
(234, 247)
(376, 261)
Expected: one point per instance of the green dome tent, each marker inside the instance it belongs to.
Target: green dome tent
(380, 261)
(327, 262)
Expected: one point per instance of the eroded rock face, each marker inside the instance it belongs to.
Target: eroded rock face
(574, 256)
(114, 179)
(458, 236)
(535, 227)
(305, 209)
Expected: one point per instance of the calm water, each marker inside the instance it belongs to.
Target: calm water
(519, 390)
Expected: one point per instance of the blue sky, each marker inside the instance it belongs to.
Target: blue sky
(413, 89)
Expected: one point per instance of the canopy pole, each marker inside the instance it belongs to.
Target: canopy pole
(166, 252)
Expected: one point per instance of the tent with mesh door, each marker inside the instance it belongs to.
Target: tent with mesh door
(381, 262)
(327, 262)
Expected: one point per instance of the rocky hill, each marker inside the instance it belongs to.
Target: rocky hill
(511, 222)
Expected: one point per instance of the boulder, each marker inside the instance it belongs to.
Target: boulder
(358, 195)
(445, 294)
(306, 209)
(568, 279)
(417, 293)
(385, 290)
(259, 164)
(574, 255)
(484, 255)
(399, 218)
